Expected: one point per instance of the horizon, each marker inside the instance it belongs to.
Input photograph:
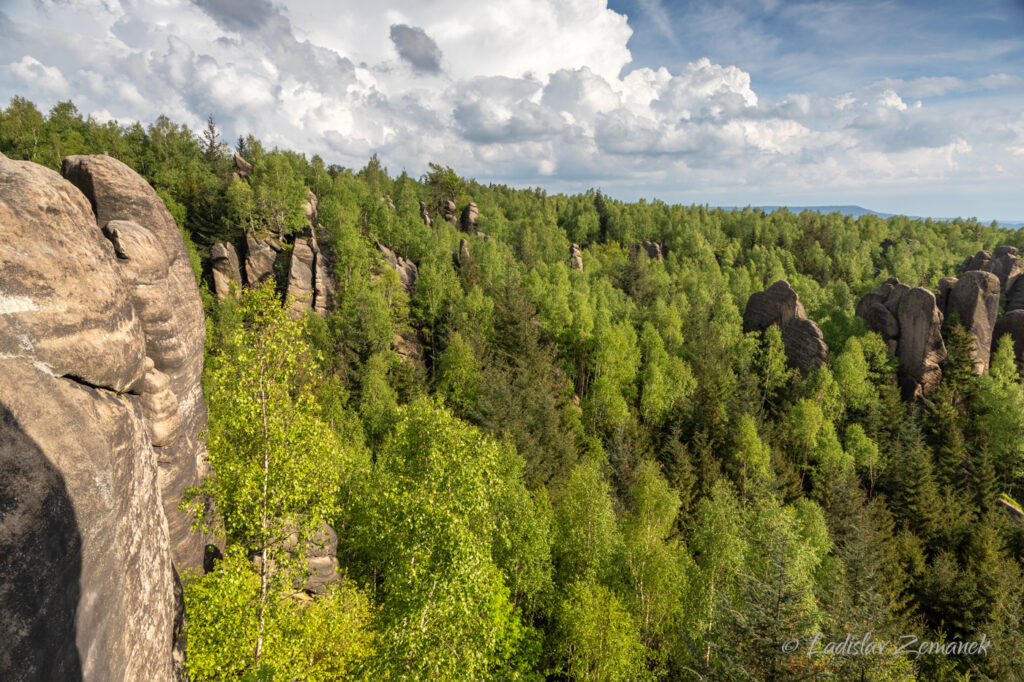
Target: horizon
(773, 104)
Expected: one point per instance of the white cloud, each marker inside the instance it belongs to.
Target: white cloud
(522, 91)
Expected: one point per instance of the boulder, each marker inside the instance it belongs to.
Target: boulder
(470, 218)
(425, 214)
(260, 257)
(576, 257)
(147, 240)
(300, 278)
(975, 298)
(805, 345)
(224, 266)
(321, 550)
(242, 167)
(87, 582)
(779, 305)
(1011, 323)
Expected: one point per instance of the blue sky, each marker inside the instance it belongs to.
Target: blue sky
(902, 107)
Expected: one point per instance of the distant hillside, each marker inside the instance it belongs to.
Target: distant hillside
(858, 211)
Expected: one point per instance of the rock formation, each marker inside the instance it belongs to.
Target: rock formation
(425, 214)
(100, 353)
(260, 257)
(654, 250)
(1011, 323)
(224, 265)
(406, 269)
(312, 210)
(464, 256)
(170, 313)
(242, 167)
(779, 305)
(449, 214)
(470, 218)
(910, 321)
(300, 277)
(576, 257)
(974, 297)
(1004, 263)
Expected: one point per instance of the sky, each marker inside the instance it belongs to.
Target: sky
(902, 107)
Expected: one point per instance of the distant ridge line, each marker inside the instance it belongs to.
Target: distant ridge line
(858, 211)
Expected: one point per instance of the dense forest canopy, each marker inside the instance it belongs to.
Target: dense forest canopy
(581, 474)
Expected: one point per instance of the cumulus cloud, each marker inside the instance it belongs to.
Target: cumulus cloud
(537, 91)
(416, 47)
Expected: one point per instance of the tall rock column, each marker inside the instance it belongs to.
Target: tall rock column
(778, 304)
(171, 316)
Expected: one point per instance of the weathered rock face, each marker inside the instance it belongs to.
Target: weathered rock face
(654, 250)
(407, 270)
(323, 282)
(449, 213)
(322, 559)
(464, 256)
(242, 167)
(975, 298)
(425, 214)
(87, 589)
(1015, 295)
(576, 257)
(300, 277)
(976, 262)
(778, 304)
(1011, 323)
(224, 264)
(470, 218)
(1004, 263)
(260, 257)
(910, 322)
(147, 240)
(312, 210)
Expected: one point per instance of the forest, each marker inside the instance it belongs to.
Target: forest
(541, 472)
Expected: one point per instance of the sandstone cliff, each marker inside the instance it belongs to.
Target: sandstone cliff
(101, 409)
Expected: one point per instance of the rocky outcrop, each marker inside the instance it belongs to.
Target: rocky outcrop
(406, 269)
(448, 212)
(974, 297)
(910, 321)
(260, 257)
(321, 559)
(96, 356)
(242, 167)
(976, 262)
(778, 304)
(464, 257)
(148, 244)
(653, 250)
(576, 257)
(300, 277)
(470, 218)
(1004, 263)
(1011, 323)
(225, 270)
(425, 214)
(312, 210)
(323, 282)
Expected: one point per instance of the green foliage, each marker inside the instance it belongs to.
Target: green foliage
(626, 485)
